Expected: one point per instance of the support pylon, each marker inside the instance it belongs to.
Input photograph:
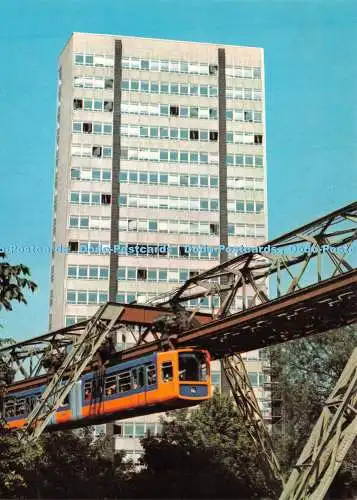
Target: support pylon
(97, 330)
(249, 409)
(329, 442)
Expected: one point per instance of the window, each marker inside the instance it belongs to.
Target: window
(174, 111)
(183, 252)
(259, 207)
(167, 371)
(128, 430)
(110, 387)
(213, 228)
(164, 110)
(87, 128)
(97, 151)
(173, 133)
(108, 83)
(139, 430)
(164, 133)
(258, 139)
(105, 199)
(108, 106)
(194, 135)
(141, 376)
(192, 366)
(193, 112)
(213, 135)
(204, 90)
(162, 275)
(151, 374)
(107, 152)
(73, 246)
(253, 378)
(124, 381)
(142, 274)
(239, 206)
(79, 59)
(250, 206)
(77, 127)
(248, 116)
(117, 430)
(184, 111)
(77, 103)
(212, 69)
(20, 407)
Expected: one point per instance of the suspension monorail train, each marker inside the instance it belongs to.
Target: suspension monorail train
(157, 382)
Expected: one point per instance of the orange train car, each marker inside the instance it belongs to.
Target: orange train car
(157, 382)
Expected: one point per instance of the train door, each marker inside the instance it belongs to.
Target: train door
(167, 367)
(139, 383)
(75, 400)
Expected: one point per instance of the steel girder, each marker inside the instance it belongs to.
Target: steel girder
(97, 330)
(244, 277)
(248, 408)
(329, 441)
(310, 254)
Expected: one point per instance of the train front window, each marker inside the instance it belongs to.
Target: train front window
(192, 366)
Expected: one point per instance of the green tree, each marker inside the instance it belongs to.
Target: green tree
(202, 453)
(304, 372)
(16, 459)
(61, 465)
(14, 280)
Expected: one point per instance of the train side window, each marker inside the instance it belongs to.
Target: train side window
(167, 371)
(10, 408)
(141, 377)
(134, 375)
(88, 389)
(31, 402)
(20, 407)
(110, 385)
(151, 374)
(124, 381)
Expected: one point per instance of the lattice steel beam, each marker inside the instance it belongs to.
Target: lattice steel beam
(249, 409)
(329, 441)
(97, 331)
(312, 253)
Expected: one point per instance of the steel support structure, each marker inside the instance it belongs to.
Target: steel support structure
(308, 255)
(329, 442)
(312, 288)
(248, 408)
(97, 330)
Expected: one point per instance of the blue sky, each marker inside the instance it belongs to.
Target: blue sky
(311, 103)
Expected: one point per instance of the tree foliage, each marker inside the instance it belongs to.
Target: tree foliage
(203, 453)
(61, 465)
(14, 281)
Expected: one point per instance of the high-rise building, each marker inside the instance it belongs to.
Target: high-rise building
(160, 144)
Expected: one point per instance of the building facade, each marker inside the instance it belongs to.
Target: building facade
(160, 146)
